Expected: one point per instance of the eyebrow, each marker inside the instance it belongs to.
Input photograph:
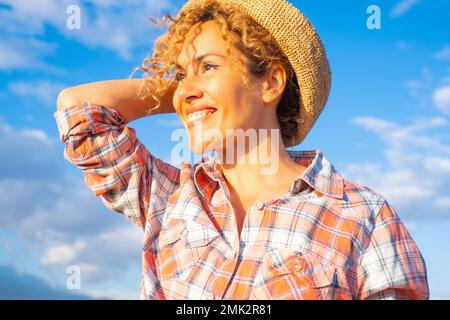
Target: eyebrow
(200, 58)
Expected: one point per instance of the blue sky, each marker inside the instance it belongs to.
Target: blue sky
(386, 125)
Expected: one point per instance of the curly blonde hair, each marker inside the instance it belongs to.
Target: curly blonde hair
(238, 30)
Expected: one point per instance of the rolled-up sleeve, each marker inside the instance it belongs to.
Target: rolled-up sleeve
(391, 266)
(115, 164)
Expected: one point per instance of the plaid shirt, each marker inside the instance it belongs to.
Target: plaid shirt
(326, 238)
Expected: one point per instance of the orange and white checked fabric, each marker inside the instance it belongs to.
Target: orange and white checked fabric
(326, 238)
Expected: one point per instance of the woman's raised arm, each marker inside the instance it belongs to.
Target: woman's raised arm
(120, 95)
(92, 123)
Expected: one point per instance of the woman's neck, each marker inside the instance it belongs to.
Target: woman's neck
(260, 169)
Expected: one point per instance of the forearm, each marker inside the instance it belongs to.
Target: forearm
(120, 95)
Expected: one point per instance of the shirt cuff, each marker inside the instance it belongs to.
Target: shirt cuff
(86, 119)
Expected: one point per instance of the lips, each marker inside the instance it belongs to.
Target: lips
(202, 115)
(190, 110)
(212, 110)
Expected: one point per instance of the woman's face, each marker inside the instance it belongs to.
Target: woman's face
(210, 78)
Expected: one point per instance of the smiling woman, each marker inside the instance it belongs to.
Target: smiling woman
(242, 46)
(222, 229)
(222, 89)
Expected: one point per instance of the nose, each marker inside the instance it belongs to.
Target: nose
(189, 90)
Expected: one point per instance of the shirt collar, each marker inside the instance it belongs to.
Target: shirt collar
(320, 174)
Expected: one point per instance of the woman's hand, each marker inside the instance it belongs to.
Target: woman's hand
(120, 95)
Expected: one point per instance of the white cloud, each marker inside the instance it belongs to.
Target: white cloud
(57, 218)
(402, 7)
(113, 294)
(442, 202)
(120, 26)
(421, 88)
(121, 238)
(405, 136)
(36, 134)
(44, 91)
(375, 124)
(30, 17)
(443, 54)
(393, 184)
(20, 27)
(28, 153)
(63, 254)
(100, 256)
(25, 53)
(109, 26)
(441, 98)
(414, 175)
(438, 165)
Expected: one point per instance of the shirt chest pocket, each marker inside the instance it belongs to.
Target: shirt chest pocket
(288, 275)
(183, 247)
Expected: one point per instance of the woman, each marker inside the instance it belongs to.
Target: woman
(224, 228)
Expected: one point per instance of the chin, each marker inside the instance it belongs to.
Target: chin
(201, 147)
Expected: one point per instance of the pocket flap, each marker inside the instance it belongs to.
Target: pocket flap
(172, 231)
(191, 233)
(306, 268)
(317, 276)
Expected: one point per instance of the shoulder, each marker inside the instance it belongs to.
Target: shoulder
(362, 201)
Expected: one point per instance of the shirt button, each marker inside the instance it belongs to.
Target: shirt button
(297, 267)
(296, 264)
(259, 205)
(295, 187)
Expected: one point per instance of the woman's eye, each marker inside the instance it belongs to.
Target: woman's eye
(179, 76)
(208, 66)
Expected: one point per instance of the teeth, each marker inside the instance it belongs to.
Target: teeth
(197, 115)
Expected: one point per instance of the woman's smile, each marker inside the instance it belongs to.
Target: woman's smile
(199, 116)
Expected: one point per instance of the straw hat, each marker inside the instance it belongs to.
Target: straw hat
(301, 44)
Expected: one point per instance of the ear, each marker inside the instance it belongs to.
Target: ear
(274, 83)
